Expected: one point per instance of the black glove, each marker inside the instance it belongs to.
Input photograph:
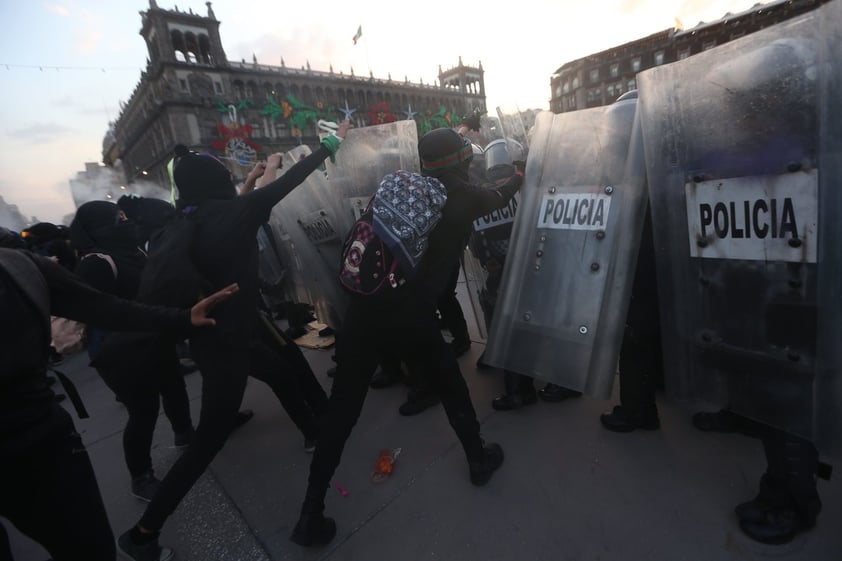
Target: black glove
(472, 122)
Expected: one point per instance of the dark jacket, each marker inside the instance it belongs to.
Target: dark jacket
(225, 247)
(31, 289)
(465, 203)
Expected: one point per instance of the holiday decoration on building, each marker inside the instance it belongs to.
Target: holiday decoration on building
(381, 113)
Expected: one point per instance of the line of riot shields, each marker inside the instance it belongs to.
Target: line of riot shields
(736, 153)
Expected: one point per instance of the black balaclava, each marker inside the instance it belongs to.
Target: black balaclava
(443, 151)
(98, 225)
(200, 177)
(50, 240)
(149, 214)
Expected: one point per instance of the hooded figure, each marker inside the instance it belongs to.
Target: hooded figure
(50, 240)
(112, 263)
(148, 214)
(100, 228)
(200, 177)
(49, 487)
(220, 241)
(406, 327)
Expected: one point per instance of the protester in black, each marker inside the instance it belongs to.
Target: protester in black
(224, 250)
(406, 324)
(111, 261)
(48, 487)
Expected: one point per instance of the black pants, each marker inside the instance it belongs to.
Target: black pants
(452, 316)
(278, 362)
(641, 362)
(155, 379)
(50, 493)
(224, 371)
(409, 327)
(791, 464)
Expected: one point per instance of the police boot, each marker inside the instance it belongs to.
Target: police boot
(789, 501)
(623, 419)
(313, 527)
(520, 391)
(772, 495)
(510, 401)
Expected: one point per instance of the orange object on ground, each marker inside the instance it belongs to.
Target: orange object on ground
(385, 464)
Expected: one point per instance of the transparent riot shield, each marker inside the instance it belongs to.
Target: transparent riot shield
(270, 267)
(318, 214)
(366, 155)
(488, 244)
(743, 159)
(568, 274)
(306, 222)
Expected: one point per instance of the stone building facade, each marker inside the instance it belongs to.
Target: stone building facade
(190, 93)
(600, 78)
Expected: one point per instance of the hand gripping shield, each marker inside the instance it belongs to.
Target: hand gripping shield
(569, 268)
(743, 158)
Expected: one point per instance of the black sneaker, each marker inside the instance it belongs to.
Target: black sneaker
(312, 529)
(481, 470)
(145, 486)
(149, 551)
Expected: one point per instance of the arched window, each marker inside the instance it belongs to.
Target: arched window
(205, 55)
(239, 89)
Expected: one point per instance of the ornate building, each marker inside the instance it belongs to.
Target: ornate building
(599, 79)
(190, 93)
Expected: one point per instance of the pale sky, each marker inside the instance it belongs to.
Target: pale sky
(53, 120)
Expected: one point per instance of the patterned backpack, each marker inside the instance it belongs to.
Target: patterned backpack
(384, 247)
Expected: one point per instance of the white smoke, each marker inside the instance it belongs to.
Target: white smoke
(98, 183)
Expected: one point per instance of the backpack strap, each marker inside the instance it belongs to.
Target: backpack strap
(106, 257)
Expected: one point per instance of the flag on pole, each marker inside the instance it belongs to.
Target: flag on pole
(358, 34)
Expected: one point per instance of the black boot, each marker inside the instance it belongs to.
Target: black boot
(482, 468)
(778, 526)
(555, 393)
(621, 419)
(510, 401)
(772, 495)
(788, 502)
(313, 528)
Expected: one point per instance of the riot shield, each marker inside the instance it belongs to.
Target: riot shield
(270, 267)
(568, 274)
(367, 154)
(742, 152)
(306, 221)
(318, 214)
(488, 244)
